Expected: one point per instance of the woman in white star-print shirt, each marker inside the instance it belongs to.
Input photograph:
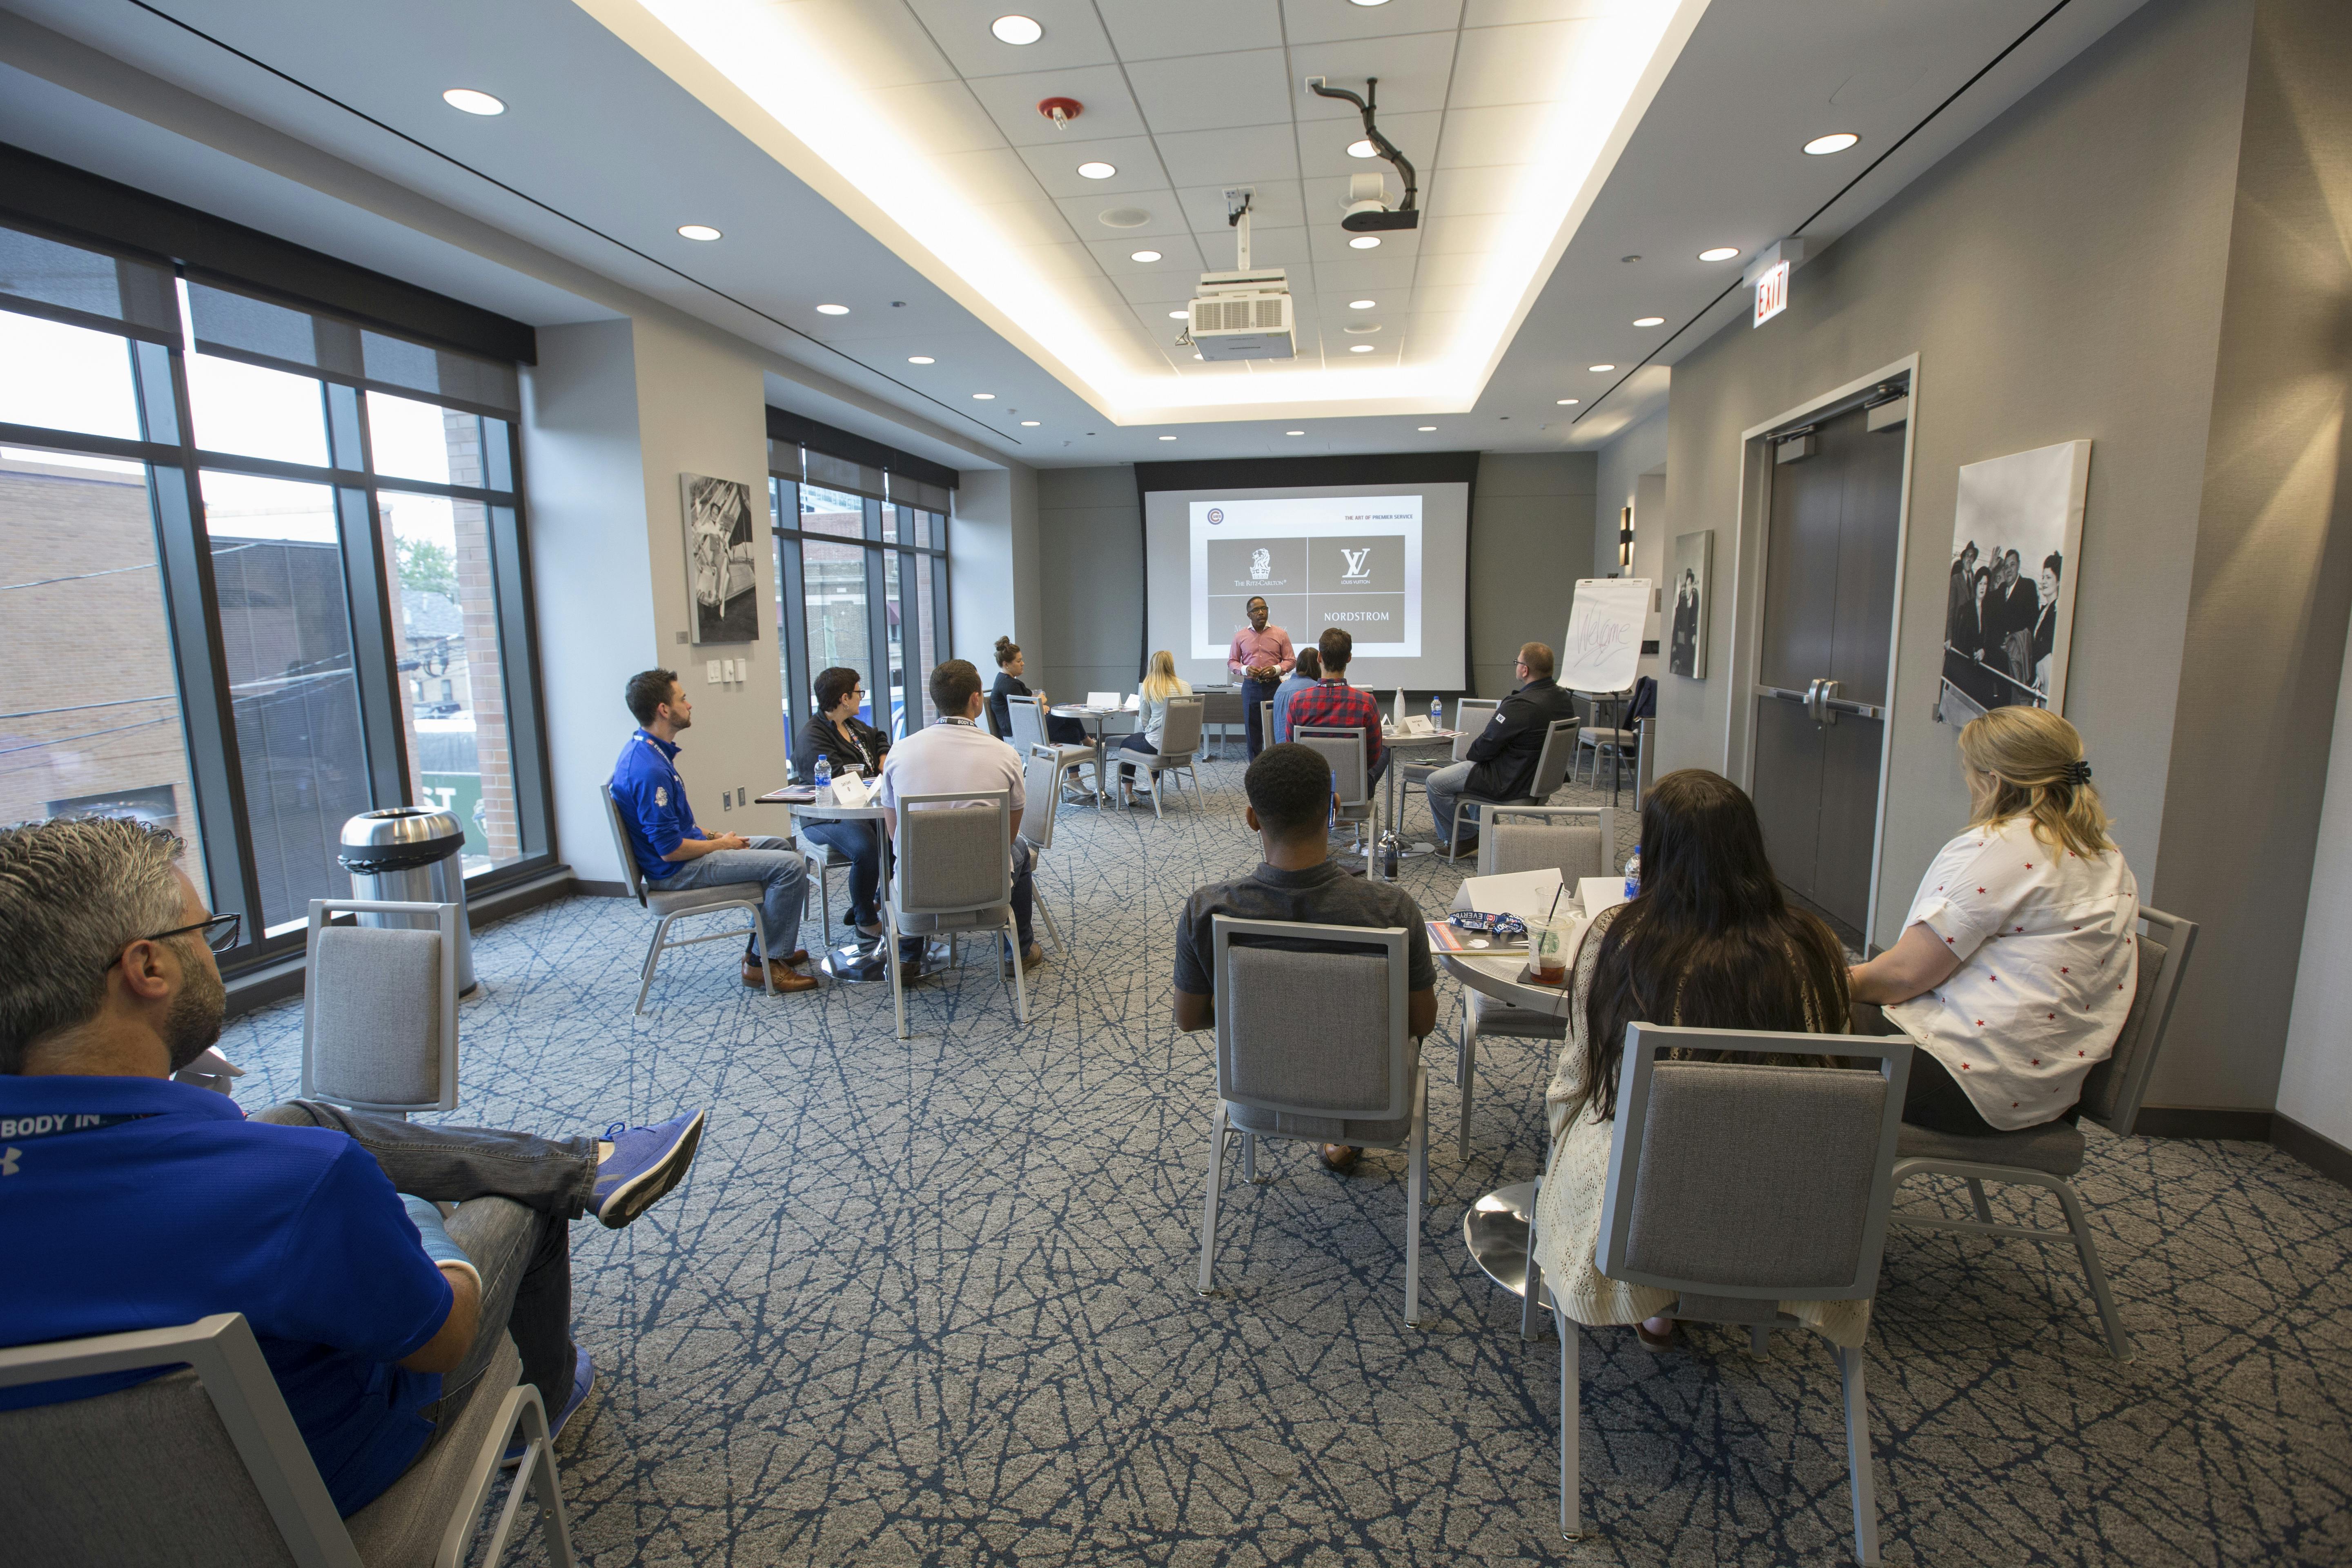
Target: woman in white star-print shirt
(2016, 968)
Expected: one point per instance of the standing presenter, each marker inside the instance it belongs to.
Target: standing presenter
(1259, 659)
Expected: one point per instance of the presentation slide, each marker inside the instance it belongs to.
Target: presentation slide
(1386, 562)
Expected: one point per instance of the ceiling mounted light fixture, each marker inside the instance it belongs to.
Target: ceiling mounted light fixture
(1368, 5)
(1016, 30)
(832, 309)
(1125, 217)
(1570, 402)
(1365, 242)
(1361, 304)
(1361, 349)
(1836, 142)
(1097, 171)
(1293, 432)
(1179, 315)
(920, 359)
(1168, 438)
(1649, 320)
(1719, 253)
(1598, 369)
(1031, 424)
(701, 231)
(1361, 147)
(983, 397)
(1145, 256)
(1427, 428)
(472, 102)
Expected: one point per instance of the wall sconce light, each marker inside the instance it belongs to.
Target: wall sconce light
(1625, 539)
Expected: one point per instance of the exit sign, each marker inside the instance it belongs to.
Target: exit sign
(1771, 292)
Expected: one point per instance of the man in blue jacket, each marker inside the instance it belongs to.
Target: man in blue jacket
(673, 852)
(134, 1202)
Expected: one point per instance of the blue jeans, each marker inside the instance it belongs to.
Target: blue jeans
(1446, 786)
(861, 844)
(771, 862)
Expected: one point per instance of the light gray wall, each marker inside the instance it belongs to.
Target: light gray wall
(1630, 471)
(1090, 568)
(2316, 1078)
(1530, 536)
(992, 588)
(2063, 275)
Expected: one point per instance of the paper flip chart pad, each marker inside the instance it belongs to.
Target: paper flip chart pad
(1602, 648)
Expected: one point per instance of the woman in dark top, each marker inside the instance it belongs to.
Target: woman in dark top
(845, 741)
(1009, 663)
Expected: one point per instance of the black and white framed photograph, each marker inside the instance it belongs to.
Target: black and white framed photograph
(1692, 586)
(2009, 612)
(722, 573)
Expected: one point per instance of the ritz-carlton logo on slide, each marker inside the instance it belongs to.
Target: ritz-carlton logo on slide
(1261, 566)
(1356, 571)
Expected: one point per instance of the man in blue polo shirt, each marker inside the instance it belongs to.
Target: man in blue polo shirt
(151, 1203)
(673, 853)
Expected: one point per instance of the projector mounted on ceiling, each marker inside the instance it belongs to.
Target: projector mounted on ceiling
(1243, 314)
(1368, 209)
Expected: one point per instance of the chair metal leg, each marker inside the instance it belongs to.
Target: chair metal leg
(1571, 1482)
(1977, 1197)
(1466, 1074)
(522, 1416)
(1249, 1160)
(2087, 1249)
(1760, 1340)
(1857, 1458)
(1051, 929)
(1209, 1209)
(1416, 1181)
(1020, 974)
(898, 980)
(1532, 1302)
(653, 956)
(1157, 815)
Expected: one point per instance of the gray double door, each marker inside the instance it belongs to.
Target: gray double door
(1821, 696)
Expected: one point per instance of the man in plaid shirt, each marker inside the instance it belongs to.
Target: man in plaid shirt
(1332, 704)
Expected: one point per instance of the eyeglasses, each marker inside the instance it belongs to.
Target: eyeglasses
(220, 933)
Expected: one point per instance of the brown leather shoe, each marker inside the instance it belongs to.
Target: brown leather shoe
(786, 978)
(1342, 1156)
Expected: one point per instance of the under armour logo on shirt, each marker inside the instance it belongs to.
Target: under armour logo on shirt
(8, 1162)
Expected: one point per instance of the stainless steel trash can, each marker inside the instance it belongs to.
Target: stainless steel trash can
(410, 855)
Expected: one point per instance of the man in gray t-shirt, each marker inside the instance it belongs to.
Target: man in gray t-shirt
(1290, 799)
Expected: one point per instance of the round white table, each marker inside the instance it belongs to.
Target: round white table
(1095, 719)
(861, 960)
(1496, 1228)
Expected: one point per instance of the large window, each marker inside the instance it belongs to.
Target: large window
(861, 582)
(260, 570)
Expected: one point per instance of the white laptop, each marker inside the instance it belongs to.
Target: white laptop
(1102, 700)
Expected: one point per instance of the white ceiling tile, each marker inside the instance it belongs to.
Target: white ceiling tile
(1275, 205)
(876, 45)
(1329, 243)
(1412, 71)
(1151, 29)
(1165, 223)
(1073, 35)
(1107, 107)
(1452, 268)
(1481, 136)
(1502, 13)
(1160, 289)
(1489, 188)
(1179, 268)
(942, 117)
(1034, 221)
(1437, 299)
(991, 175)
(1067, 261)
(1056, 162)
(1516, 65)
(1323, 143)
(1214, 92)
(1447, 236)
(1363, 273)
(1236, 157)
(1313, 21)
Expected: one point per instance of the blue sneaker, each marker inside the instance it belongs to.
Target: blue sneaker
(583, 1381)
(645, 1163)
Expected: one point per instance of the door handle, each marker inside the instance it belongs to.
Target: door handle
(1813, 700)
(1829, 690)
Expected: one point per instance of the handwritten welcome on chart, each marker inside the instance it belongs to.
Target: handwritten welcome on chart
(1603, 647)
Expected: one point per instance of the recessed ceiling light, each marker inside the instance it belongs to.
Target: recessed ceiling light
(1200, 356)
(1361, 349)
(1016, 30)
(1361, 147)
(1179, 315)
(920, 359)
(1031, 424)
(1168, 438)
(1097, 171)
(1719, 253)
(1367, 3)
(1365, 242)
(1293, 432)
(1145, 256)
(473, 102)
(984, 396)
(1361, 304)
(1837, 141)
(1426, 428)
(1570, 402)
(832, 309)
(1597, 369)
(1649, 320)
(701, 231)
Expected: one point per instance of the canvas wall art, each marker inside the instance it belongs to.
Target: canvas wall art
(722, 573)
(1692, 588)
(2009, 612)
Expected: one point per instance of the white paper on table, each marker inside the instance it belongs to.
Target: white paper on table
(851, 790)
(1599, 893)
(1102, 699)
(1134, 702)
(1527, 894)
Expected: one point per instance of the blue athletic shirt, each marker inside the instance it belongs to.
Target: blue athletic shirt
(136, 1202)
(653, 802)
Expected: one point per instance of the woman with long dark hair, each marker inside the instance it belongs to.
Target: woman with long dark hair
(1709, 941)
(1009, 665)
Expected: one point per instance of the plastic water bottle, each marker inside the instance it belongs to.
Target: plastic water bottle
(824, 773)
(1436, 714)
(1633, 872)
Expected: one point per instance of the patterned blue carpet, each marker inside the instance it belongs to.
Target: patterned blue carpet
(928, 1301)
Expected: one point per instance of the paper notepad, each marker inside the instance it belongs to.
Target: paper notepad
(1102, 699)
(1527, 894)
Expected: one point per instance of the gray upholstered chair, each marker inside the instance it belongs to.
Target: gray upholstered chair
(1346, 750)
(1027, 715)
(1266, 720)
(1470, 716)
(1038, 827)
(1180, 738)
(1551, 772)
(2047, 1156)
(1575, 840)
(1739, 1185)
(1315, 1045)
(1220, 709)
(380, 1009)
(204, 1467)
(1597, 737)
(667, 908)
(951, 872)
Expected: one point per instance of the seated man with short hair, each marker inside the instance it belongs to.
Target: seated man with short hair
(1500, 763)
(1291, 800)
(673, 853)
(1332, 704)
(956, 755)
(150, 1203)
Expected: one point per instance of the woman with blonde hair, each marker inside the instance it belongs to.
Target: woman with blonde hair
(1160, 684)
(2016, 968)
